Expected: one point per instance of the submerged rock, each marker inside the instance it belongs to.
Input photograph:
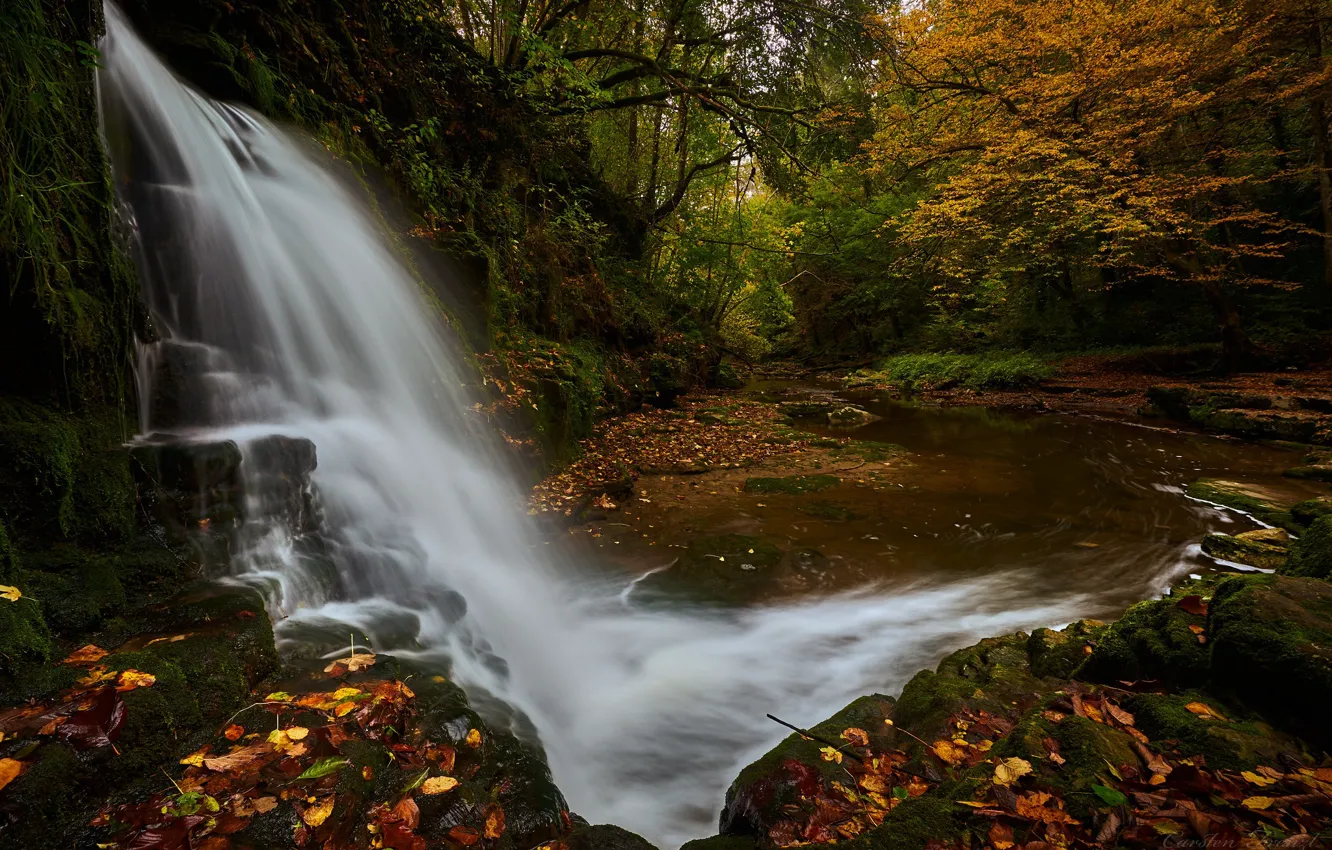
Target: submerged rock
(729, 569)
(1260, 502)
(1265, 548)
(794, 485)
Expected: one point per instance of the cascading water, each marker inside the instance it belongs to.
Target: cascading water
(285, 310)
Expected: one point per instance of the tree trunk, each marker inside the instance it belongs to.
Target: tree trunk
(1236, 347)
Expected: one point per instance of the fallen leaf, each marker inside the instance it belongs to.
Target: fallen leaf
(1010, 770)
(234, 732)
(1120, 715)
(297, 733)
(9, 771)
(1255, 779)
(1257, 803)
(1001, 836)
(494, 823)
(172, 639)
(438, 785)
(1109, 796)
(1032, 806)
(1204, 710)
(465, 836)
(319, 812)
(1154, 762)
(1194, 605)
(856, 737)
(263, 805)
(355, 663)
(408, 812)
(473, 738)
(949, 752)
(830, 754)
(97, 723)
(132, 679)
(89, 654)
(324, 767)
(13, 594)
(195, 759)
(239, 758)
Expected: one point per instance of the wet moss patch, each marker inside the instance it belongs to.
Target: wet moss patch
(794, 485)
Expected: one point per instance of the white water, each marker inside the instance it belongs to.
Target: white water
(307, 323)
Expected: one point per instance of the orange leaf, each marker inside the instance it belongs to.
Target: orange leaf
(9, 771)
(89, 654)
(494, 823)
(856, 737)
(1194, 605)
(234, 732)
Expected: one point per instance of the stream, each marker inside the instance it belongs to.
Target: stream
(284, 309)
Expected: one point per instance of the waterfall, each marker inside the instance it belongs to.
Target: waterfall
(287, 310)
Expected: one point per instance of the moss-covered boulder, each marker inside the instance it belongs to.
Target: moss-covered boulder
(606, 837)
(850, 417)
(1304, 513)
(1260, 502)
(1311, 554)
(793, 485)
(1225, 737)
(1059, 653)
(1265, 548)
(994, 676)
(1157, 639)
(791, 773)
(1271, 642)
(24, 635)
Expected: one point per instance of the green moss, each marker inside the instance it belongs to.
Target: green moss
(1309, 510)
(1271, 640)
(1311, 554)
(994, 676)
(914, 825)
(24, 636)
(1229, 745)
(1256, 501)
(44, 795)
(1059, 653)
(1151, 641)
(794, 485)
(1266, 548)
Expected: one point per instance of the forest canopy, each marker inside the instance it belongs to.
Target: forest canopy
(862, 177)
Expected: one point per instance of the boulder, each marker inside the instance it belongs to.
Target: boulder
(1265, 548)
(606, 837)
(1155, 639)
(1271, 642)
(850, 417)
(1311, 554)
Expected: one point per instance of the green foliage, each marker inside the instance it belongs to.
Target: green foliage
(997, 371)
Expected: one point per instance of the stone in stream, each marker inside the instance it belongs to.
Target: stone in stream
(1260, 502)
(606, 837)
(1265, 548)
(729, 569)
(850, 417)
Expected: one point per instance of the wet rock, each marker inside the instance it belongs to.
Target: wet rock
(1059, 653)
(995, 676)
(794, 770)
(729, 569)
(1311, 554)
(1260, 502)
(720, 842)
(606, 837)
(1234, 743)
(1271, 641)
(794, 485)
(1250, 415)
(1153, 640)
(1265, 548)
(806, 409)
(850, 417)
(1304, 513)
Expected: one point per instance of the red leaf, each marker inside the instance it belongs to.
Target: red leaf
(99, 724)
(1194, 605)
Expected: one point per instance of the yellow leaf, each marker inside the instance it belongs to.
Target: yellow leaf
(344, 709)
(194, 760)
(356, 662)
(972, 803)
(830, 754)
(1010, 770)
(949, 752)
(278, 696)
(874, 783)
(857, 737)
(11, 593)
(343, 693)
(1257, 803)
(278, 738)
(473, 738)
(131, 679)
(438, 785)
(319, 812)
(9, 771)
(297, 733)
(1204, 710)
(1255, 779)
